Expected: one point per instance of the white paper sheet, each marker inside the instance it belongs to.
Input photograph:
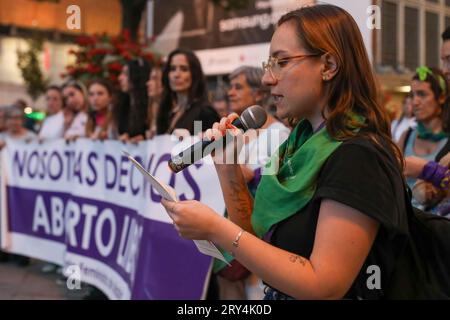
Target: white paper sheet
(168, 193)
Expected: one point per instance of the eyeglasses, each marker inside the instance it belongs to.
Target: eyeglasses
(275, 65)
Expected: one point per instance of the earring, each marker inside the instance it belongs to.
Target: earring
(325, 78)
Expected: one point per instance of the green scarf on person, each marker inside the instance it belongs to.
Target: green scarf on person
(427, 134)
(282, 193)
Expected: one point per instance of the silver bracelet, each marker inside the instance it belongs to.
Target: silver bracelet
(236, 241)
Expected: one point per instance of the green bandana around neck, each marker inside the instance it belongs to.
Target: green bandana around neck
(426, 134)
(281, 195)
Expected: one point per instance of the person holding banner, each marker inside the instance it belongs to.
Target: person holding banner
(331, 222)
(129, 115)
(75, 99)
(15, 129)
(53, 125)
(101, 95)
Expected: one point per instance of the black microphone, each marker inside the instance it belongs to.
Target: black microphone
(252, 118)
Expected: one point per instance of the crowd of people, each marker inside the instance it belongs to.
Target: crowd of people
(154, 100)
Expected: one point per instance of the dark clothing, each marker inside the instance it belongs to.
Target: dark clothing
(198, 111)
(122, 112)
(361, 176)
(129, 120)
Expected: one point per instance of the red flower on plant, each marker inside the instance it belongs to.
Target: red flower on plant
(91, 56)
(148, 56)
(126, 55)
(115, 66)
(98, 52)
(91, 68)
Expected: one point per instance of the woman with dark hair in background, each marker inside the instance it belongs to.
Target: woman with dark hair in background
(429, 92)
(130, 114)
(100, 99)
(184, 98)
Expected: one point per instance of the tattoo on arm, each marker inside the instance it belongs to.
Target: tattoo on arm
(295, 258)
(239, 195)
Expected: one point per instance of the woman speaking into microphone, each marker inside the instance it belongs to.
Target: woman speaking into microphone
(331, 222)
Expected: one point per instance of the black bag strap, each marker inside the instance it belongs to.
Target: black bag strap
(407, 136)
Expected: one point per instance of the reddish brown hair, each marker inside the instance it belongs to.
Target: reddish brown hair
(329, 29)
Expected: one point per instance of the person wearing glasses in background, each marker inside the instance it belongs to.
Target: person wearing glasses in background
(335, 206)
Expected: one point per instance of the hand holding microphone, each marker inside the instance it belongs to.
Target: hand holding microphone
(253, 117)
(219, 129)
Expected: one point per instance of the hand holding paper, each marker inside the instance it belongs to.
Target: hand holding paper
(168, 193)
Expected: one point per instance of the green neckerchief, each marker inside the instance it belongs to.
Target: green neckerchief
(282, 195)
(425, 134)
